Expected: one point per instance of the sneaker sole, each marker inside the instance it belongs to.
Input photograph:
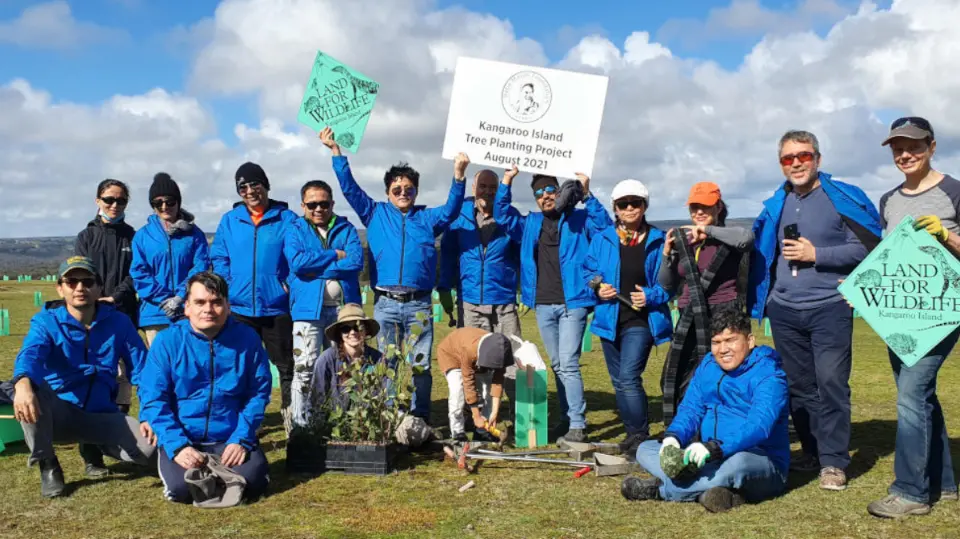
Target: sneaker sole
(720, 501)
(97, 474)
(834, 488)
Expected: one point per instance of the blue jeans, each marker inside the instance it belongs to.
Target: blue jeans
(397, 320)
(562, 332)
(750, 472)
(922, 463)
(626, 359)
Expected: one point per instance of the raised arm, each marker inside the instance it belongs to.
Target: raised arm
(504, 213)
(355, 195)
(442, 216)
(258, 396)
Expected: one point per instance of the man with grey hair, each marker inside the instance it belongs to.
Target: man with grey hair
(810, 234)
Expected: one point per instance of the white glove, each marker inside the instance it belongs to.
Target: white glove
(696, 453)
(172, 306)
(669, 441)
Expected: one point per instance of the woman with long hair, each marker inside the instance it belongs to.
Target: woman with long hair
(707, 261)
(624, 260)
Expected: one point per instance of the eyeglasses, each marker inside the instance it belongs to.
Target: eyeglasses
(72, 282)
(351, 326)
(804, 157)
(110, 201)
(911, 120)
(161, 202)
(548, 190)
(634, 202)
(408, 191)
(322, 204)
(244, 187)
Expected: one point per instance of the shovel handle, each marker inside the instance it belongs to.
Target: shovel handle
(582, 472)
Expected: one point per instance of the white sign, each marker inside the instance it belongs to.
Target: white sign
(543, 120)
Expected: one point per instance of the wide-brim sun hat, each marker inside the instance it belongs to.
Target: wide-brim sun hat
(630, 187)
(351, 312)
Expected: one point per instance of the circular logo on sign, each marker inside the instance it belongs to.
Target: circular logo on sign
(526, 96)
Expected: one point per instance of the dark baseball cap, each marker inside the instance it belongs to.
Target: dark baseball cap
(77, 262)
(495, 352)
(912, 127)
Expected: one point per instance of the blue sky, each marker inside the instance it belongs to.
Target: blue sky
(150, 51)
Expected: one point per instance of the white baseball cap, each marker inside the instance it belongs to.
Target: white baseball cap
(628, 188)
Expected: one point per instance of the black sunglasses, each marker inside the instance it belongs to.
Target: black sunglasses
(110, 201)
(408, 191)
(72, 282)
(161, 202)
(347, 327)
(912, 120)
(247, 186)
(322, 204)
(635, 202)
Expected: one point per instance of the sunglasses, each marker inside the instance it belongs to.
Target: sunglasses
(408, 191)
(244, 187)
(110, 201)
(634, 202)
(804, 157)
(911, 120)
(351, 326)
(161, 202)
(72, 282)
(322, 204)
(549, 190)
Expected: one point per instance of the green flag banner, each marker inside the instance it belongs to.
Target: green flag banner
(339, 98)
(908, 290)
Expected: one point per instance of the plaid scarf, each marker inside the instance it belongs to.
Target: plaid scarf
(684, 357)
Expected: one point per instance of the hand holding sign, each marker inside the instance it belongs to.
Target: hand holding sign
(326, 137)
(460, 163)
(509, 175)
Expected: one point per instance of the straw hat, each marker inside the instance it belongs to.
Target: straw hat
(351, 312)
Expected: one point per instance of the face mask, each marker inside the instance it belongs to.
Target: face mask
(106, 218)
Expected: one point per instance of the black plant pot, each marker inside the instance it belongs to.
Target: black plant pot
(360, 459)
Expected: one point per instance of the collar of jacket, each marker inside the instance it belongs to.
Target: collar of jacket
(98, 222)
(274, 207)
(331, 225)
(184, 324)
(58, 308)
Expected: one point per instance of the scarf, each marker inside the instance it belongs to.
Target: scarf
(630, 238)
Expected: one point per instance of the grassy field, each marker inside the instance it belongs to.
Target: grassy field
(422, 500)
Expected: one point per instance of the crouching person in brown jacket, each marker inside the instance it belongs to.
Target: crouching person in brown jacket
(474, 361)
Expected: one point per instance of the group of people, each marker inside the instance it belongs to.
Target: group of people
(283, 286)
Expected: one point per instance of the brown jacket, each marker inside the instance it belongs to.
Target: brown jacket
(459, 351)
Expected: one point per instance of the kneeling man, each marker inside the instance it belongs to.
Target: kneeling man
(209, 386)
(732, 425)
(65, 377)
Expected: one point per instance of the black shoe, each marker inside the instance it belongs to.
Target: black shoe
(51, 478)
(460, 437)
(720, 499)
(96, 471)
(573, 435)
(634, 488)
(628, 447)
(482, 435)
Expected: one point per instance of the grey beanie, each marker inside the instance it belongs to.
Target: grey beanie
(495, 352)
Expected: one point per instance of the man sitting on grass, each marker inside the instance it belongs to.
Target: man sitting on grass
(732, 423)
(65, 377)
(209, 386)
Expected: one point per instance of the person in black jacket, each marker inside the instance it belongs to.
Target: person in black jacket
(107, 241)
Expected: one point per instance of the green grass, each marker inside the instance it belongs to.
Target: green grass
(508, 501)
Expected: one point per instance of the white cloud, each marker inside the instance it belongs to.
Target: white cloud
(52, 26)
(669, 121)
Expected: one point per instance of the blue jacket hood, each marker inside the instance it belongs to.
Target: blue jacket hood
(205, 390)
(740, 410)
(481, 275)
(853, 205)
(78, 364)
(603, 258)
(251, 259)
(312, 264)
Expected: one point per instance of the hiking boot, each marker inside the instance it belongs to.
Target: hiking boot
(95, 470)
(94, 466)
(949, 496)
(805, 464)
(573, 435)
(636, 489)
(51, 478)
(720, 499)
(628, 447)
(833, 479)
(894, 506)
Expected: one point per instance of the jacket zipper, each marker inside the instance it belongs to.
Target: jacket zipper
(93, 377)
(206, 427)
(716, 414)
(403, 243)
(254, 282)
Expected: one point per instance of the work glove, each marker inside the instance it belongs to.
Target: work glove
(172, 307)
(667, 442)
(697, 453)
(932, 224)
(671, 458)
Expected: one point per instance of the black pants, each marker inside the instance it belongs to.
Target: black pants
(815, 346)
(277, 335)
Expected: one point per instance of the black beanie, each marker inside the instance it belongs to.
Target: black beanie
(251, 172)
(164, 186)
(495, 352)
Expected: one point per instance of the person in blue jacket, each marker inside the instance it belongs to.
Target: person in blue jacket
(247, 251)
(812, 233)
(167, 251)
(625, 259)
(325, 256)
(209, 386)
(65, 377)
(553, 244)
(731, 426)
(403, 257)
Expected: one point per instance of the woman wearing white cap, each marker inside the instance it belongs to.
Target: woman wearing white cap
(622, 265)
